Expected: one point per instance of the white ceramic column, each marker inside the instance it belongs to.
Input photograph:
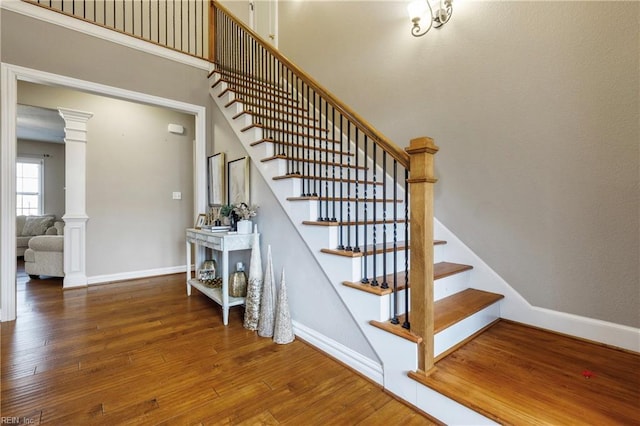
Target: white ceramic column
(75, 217)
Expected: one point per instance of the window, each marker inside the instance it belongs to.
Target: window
(29, 186)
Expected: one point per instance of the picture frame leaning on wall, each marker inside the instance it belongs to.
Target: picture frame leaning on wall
(238, 181)
(216, 183)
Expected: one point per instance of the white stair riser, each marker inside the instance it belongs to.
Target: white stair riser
(453, 335)
(450, 285)
(353, 268)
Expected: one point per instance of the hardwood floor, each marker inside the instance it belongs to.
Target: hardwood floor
(520, 375)
(142, 352)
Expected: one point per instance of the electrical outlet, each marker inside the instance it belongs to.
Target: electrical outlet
(177, 195)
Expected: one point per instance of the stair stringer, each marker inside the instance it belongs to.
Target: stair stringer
(398, 356)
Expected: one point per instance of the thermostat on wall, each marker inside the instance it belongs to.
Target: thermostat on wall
(176, 128)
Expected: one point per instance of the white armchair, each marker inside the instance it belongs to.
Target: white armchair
(45, 256)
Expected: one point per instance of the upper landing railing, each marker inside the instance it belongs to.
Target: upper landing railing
(180, 25)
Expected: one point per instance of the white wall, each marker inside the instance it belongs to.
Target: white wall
(52, 155)
(133, 166)
(535, 106)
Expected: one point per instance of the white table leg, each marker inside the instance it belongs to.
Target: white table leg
(225, 287)
(188, 268)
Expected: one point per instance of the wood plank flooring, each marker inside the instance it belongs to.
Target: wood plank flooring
(142, 352)
(520, 375)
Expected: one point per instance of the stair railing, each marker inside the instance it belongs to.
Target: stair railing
(363, 182)
(179, 25)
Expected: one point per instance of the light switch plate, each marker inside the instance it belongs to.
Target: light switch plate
(177, 195)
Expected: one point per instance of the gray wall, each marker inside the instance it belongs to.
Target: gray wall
(53, 180)
(35, 44)
(535, 108)
(133, 166)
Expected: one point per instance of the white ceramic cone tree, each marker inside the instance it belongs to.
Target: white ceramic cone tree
(283, 329)
(254, 287)
(268, 301)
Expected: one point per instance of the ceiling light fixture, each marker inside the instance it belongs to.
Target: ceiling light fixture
(420, 9)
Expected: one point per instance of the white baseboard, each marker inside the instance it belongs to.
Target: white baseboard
(353, 359)
(133, 275)
(516, 308)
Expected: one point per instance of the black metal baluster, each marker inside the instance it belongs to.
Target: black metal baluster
(348, 247)
(188, 27)
(394, 319)
(406, 324)
(307, 164)
(340, 228)
(333, 166)
(385, 284)
(356, 247)
(365, 279)
(173, 15)
(374, 281)
(315, 151)
(326, 157)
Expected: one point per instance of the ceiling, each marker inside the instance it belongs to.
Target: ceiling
(39, 124)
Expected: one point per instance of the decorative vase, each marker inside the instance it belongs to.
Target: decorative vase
(207, 271)
(233, 222)
(238, 282)
(244, 226)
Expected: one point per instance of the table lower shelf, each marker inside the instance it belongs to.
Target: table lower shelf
(215, 294)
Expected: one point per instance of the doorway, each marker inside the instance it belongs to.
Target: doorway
(263, 19)
(10, 77)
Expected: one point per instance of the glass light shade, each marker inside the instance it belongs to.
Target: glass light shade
(417, 9)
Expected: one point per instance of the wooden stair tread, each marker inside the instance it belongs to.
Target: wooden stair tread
(369, 250)
(350, 223)
(234, 83)
(330, 179)
(440, 270)
(379, 248)
(256, 114)
(516, 374)
(397, 329)
(241, 76)
(311, 161)
(345, 199)
(455, 308)
(309, 127)
(447, 311)
(310, 135)
(299, 145)
(280, 108)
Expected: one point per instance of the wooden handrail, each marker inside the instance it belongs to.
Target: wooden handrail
(382, 141)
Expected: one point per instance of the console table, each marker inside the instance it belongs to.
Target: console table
(222, 243)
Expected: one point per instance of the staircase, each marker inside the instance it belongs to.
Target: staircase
(346, 190)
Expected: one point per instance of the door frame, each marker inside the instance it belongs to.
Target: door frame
(9, 77)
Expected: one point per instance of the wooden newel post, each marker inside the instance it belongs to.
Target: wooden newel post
(212, 31)
(421, 152)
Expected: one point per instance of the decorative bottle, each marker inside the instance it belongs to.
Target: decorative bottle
(238, 282)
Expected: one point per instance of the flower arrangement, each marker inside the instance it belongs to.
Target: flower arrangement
(240, 211)
(244, 211)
